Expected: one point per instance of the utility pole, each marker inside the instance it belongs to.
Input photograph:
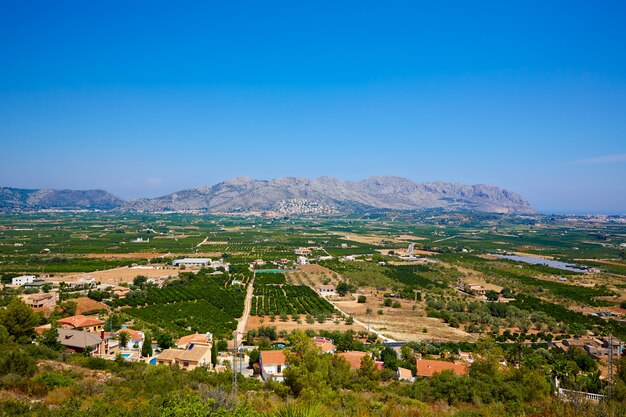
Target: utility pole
(610, 391)
(234, 366)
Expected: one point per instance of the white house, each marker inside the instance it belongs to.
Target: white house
(136, 338)
(326, 290)
(302, 260)
(23, 279)
(272, 364)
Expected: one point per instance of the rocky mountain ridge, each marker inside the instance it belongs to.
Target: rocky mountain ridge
(328, 195)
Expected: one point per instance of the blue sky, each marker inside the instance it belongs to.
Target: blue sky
(145, 98)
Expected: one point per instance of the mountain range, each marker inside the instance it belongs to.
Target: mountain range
(323, 195)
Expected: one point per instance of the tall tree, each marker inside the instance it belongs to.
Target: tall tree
(19, 320)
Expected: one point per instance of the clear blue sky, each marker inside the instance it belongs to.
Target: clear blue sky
(145, 98)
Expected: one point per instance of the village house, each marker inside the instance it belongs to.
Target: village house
(120, 291)
(302, 260)
(404, 374)
(168, 356)
(190, 340)
(187, 359)
(42, 301)
(82, 323)
(476, 289)
(88, 342)
(135, 338)
(302, 251)
(326, 290)
(190, 359)
(23, 279)
(427, 367)
(272, 364)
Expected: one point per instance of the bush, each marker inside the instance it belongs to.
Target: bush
(396, 304)
(18, 362)
(361, 299)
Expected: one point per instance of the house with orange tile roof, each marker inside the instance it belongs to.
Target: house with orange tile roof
(272, 364)
(428, 367)
(193, 339)
(81, 322)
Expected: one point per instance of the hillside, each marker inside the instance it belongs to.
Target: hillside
(18, 199)
(327, 195)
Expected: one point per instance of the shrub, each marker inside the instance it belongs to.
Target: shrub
(18, 362)
(361, 299)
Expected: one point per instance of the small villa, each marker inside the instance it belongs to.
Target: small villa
(81, 322)
(272, 364)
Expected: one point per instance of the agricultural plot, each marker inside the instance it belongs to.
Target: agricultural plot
(198, 316)
(190, 288)
(288, 299)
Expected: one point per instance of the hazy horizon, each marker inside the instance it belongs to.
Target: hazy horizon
(145, 100)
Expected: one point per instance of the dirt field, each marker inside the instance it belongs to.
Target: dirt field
(254, 322)
(117, 276)
(134, 255)
(402, 323)
(84, 304)
(315, 273)
(367, 239)
(410, 237)
(403, 250)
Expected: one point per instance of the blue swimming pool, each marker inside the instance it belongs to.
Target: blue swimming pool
(153, 361)
(126, 355)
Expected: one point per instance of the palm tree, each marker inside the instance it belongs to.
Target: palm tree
(123, 338)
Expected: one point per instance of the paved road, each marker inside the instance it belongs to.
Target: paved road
(241, 326)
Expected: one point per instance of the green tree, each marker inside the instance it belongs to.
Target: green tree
(254, 357)
(307, 373)
(18, 362)
(492, 295)
(146, 347)
(222, 345)
(50, 338)
(4, 334)
(19, 320)
(214, 354)
(123, 337)
(361, 299)
(164, 340)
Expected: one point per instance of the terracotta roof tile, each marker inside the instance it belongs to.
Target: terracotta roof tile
(427, 367)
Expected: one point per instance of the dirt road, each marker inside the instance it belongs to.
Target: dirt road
(241, 326)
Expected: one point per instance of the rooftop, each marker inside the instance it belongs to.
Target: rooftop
(427, 367)
(273, 357)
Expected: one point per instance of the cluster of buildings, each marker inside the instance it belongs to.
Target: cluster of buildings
(597, 348)
(201, 263)
(87, 335)
(191, 352)
(272, 363)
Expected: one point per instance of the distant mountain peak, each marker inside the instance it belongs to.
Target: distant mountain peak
(326, 195)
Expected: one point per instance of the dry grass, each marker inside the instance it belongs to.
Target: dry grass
(118, 276)
(402, 323)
